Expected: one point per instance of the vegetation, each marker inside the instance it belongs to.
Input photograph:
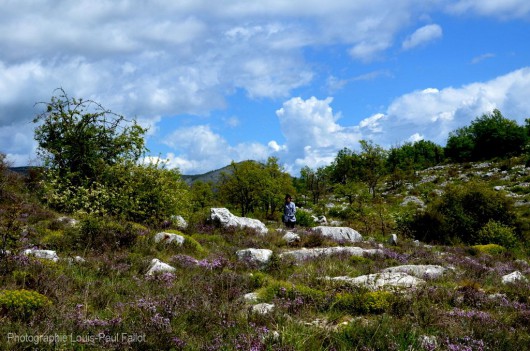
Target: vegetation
(98, 295)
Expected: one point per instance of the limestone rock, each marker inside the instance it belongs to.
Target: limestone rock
(180, 222)
(393, 239)
(251, 297)
(72, 222)
(169, 238)
(341, 234)
(305, 254)
(263, 308)
(424, 271)
(227, 219)
(158, 266)
(413, 200)
(513, 277)
(322, 220)
(260, 256)
(291, 237)
(44, 254)
(383, 280)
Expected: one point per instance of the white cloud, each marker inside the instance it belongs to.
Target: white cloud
(311, 131)
(503, 9)
(434, 113)
(422, 36)
(481, 58)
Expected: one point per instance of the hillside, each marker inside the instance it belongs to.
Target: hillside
(220, 288)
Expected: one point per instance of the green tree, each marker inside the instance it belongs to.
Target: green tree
(202, 194)
(78, 138)
(243, 186)
(373, 165)
(491, 135)
(315, 183)
(277, 184)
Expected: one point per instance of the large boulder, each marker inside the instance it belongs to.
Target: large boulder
(382, 280)
(227, 219)
(305, 254)
(341, 234)
(259, 256)
(424, 271)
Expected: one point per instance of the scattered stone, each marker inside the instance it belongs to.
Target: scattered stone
(180, 222)
(499, 187)
(260, 256)
(413, 200)
(320, 219)
(305, 254)
(428, 342)
(393, 239)
(72, 222)
(383, 280)
(513, 277)
(341, 234)
(291, 237)
(169, 238)
(44, 254)
(416, 243)
(263, 308)
(425, 271)
(158, 266)
(251, 297)
(227, 219)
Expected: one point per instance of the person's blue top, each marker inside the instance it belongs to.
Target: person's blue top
(289, 211)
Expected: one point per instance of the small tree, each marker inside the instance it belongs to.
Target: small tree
(78, 138)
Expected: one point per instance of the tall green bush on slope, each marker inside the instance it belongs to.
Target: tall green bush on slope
(92, 155)
(461, 215)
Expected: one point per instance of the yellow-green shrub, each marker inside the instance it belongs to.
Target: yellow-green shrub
(22, 303)
(491, 249)
(368, 302)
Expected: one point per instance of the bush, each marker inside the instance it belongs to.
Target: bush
(460, 214)
(304, 219)
(497, 233)
(491, 249)
(101, 234)
(368, 302)
(22, 303)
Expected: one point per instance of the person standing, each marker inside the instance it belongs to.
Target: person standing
(289, 211)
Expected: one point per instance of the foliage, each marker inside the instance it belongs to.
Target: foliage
(304, 219)
(251, 184)
(460, 214)
(363, 302)
(491, 249)
(22, 303)
(78, 138)
(497, 233)
(92, 153)
(491, 135)
(314, 183)
(201, 194)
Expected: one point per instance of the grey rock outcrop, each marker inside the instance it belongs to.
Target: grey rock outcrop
(305, 254)
(382, 280)
(291, 237)
(259, 256)
(340, 234)
(227, 219)
(420, 271)
(44, 254)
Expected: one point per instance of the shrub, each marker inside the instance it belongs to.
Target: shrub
(497, 233)
(460, 214)
(491, 249)
(304, 219)
(97, 233)
(367, 302)
(22, 303)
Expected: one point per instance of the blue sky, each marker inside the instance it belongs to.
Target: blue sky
(217, 81)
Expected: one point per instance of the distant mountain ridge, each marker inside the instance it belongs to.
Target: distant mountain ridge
(212, 176)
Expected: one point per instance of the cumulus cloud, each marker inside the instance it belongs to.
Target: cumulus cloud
(422, 36)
